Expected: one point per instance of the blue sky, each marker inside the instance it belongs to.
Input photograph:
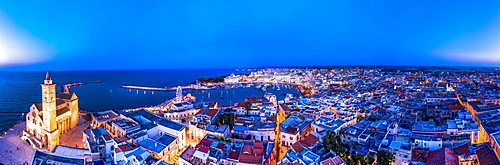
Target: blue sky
(163, 34)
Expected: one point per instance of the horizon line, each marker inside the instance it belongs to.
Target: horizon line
(259, 67)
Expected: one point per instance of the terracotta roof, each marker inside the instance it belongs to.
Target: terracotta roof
(206, 142)
(419, 155)
(247, 150)
(212, 104)
(258, 144)
(250, 159)
(204, 149)
(298, 163)
(253, 98)
(455, 107)
(258, 151)
(234, 155)
(297, 147)
(486, 155)
(212, 112)
(240, 105)
(463, 149)
(121, 139)
(106, 136)
(125, 147)
(291, 129)
(443, 156)
(220, 146)
(333, 161)
(310, 141)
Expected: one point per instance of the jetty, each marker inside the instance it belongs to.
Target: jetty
(66, 88)
(190, 87)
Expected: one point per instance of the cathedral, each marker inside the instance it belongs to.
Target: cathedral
(47, 121)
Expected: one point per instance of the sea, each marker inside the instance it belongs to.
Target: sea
(19, 90)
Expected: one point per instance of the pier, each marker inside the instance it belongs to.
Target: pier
(190, 87)
(66, 88)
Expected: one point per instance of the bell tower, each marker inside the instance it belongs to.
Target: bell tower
(49, 111)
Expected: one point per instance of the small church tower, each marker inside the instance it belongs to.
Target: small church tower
(49, 111)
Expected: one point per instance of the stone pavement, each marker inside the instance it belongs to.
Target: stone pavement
(74, 137)
(13, 150)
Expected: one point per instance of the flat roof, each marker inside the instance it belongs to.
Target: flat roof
(42, 158)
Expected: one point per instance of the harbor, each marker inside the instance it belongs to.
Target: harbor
(190, 87)
(208, 86)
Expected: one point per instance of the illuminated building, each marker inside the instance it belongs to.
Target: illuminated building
(57, 114)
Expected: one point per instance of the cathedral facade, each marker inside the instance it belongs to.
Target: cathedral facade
(47, 121)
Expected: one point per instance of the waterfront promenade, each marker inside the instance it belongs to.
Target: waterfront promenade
(13, 150)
